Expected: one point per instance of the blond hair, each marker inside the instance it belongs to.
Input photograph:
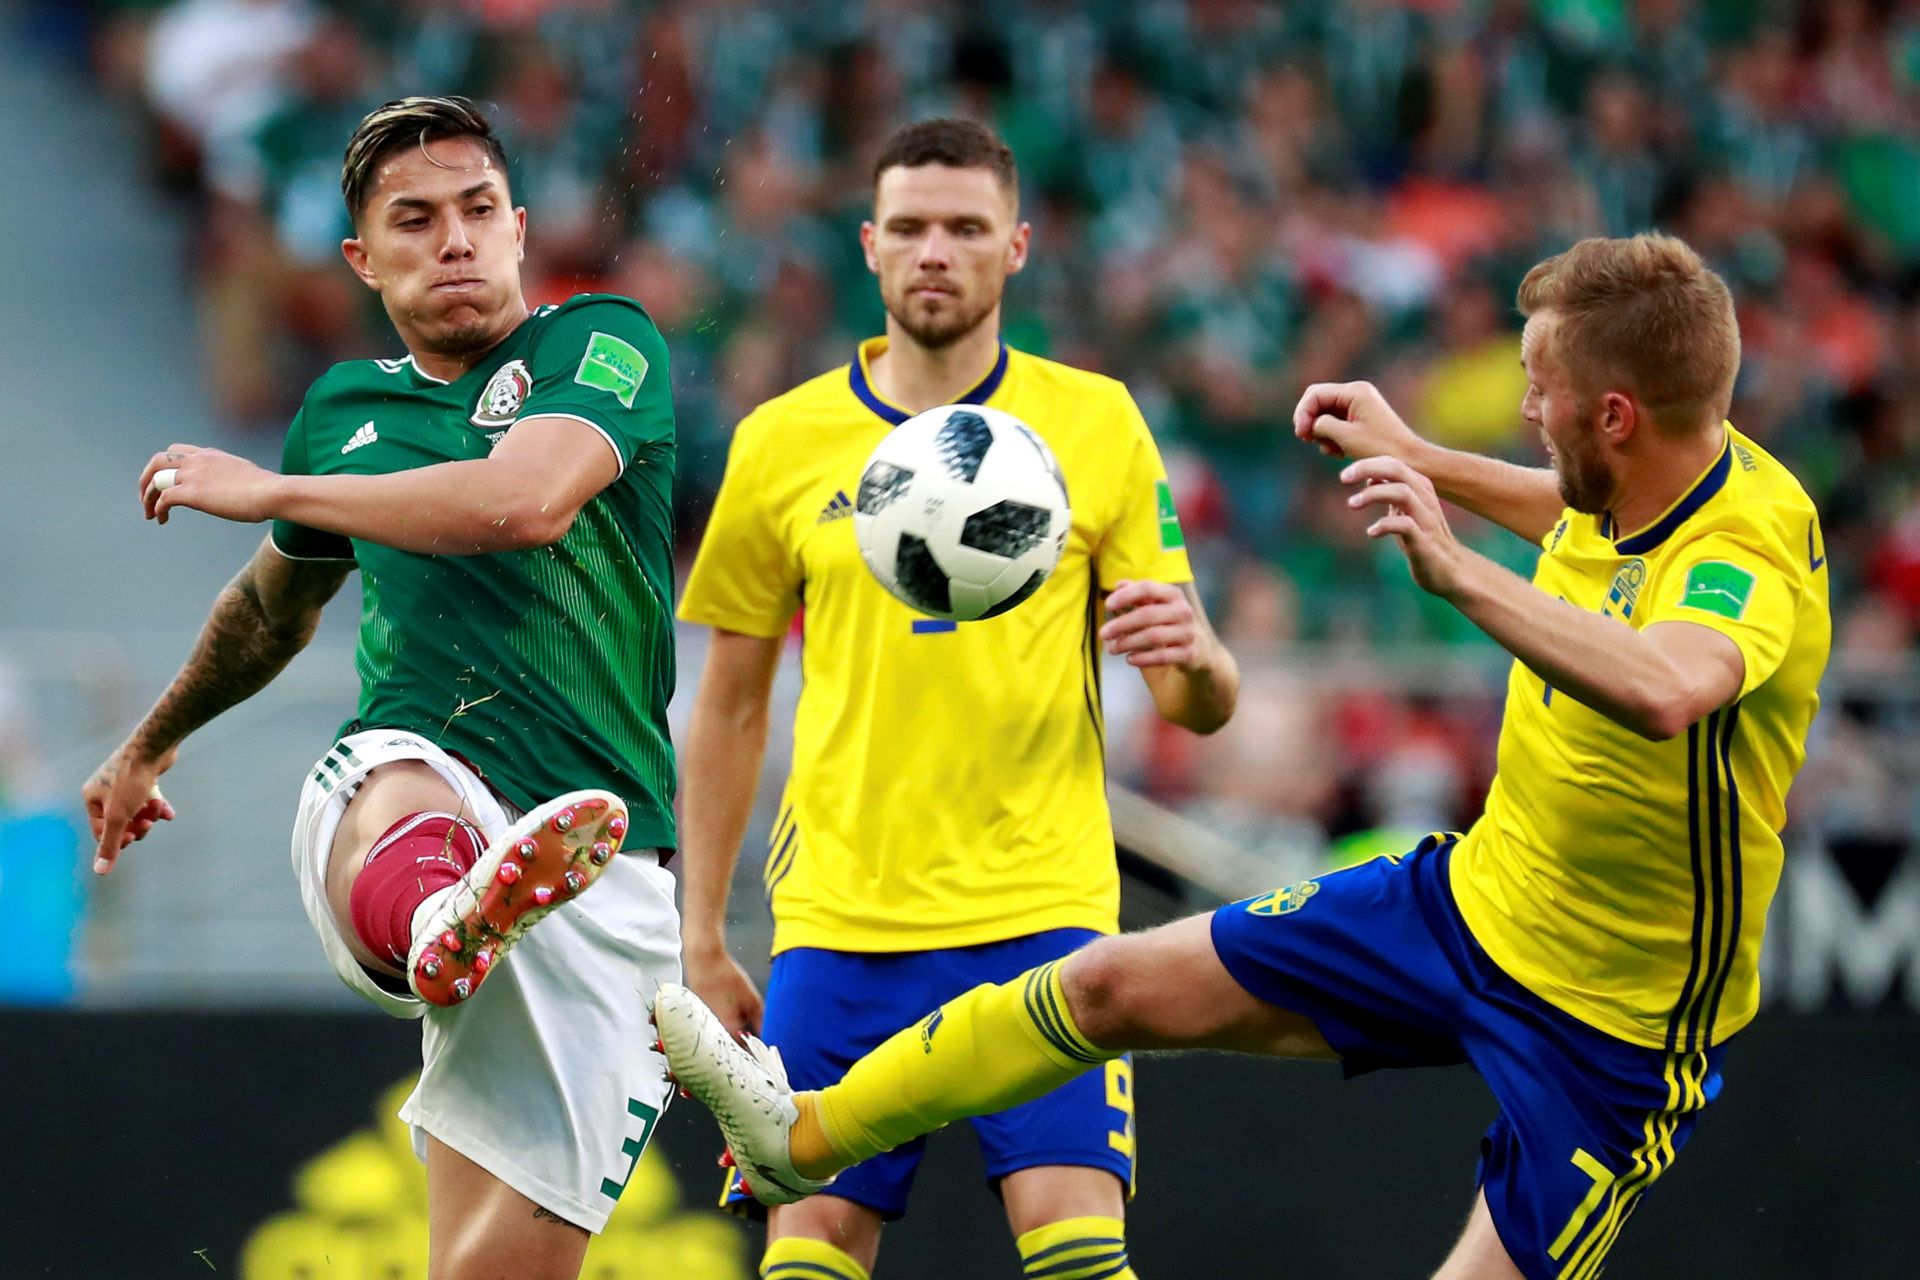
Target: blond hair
(1644, 315)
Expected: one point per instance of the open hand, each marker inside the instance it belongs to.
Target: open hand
(1413, 514)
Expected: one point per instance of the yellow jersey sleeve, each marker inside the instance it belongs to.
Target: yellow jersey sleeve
(745, 577)
(1143, 540)
(1743, 582)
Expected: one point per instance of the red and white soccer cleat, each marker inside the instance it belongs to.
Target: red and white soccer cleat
(549, 857)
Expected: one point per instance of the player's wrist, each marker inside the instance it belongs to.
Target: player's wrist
(146, 747)
(281, 491)
(1422, 454)
(1460, 579)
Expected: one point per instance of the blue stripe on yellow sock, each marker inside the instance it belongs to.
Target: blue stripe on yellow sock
(1054, 1251)
(1043, 1006)
(1107, 1261)
(802, 1258)
(1086, 1248)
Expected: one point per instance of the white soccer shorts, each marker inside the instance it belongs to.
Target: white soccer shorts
(547, 1077)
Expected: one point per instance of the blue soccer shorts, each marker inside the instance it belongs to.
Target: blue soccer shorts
(825, 1009)
(1379, 958)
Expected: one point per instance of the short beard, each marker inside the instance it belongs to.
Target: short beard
(942, 331)
(1586, 484)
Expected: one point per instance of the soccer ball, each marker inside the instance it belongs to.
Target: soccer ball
(962, 512)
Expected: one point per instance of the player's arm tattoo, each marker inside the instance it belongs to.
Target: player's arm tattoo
(261, 619)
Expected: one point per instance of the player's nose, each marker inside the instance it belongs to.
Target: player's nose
(457, 245)
(936, 250)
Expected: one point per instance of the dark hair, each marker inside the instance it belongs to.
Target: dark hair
(957, 144)
(409, 122)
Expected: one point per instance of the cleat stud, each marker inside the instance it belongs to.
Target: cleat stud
(726, 1159)
(462, 988)
(509, 873)
(617, 826)
(660, 1047)
(574, 881)
(526, 850)
(601, 852)
(450, 940)
(542, 894)
(684, 1093)
(430, 966)
(483, 962)
(745, 1189)
(563, 821)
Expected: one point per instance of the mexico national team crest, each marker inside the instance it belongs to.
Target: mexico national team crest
(503, 395)
(1285, 900)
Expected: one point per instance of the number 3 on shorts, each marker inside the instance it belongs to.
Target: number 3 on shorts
(632, 1147)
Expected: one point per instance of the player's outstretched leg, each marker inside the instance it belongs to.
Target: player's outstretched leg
(548, 857)
(990, 1049)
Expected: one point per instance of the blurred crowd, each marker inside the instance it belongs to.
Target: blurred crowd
(1230, 199)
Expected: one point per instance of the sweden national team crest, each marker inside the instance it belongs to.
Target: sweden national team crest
(503, 395)
(1285, 900)
(1624, 595)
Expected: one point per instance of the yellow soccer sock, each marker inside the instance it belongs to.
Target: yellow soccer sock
(990, 1049)
(1076, 1249)
(798, 1258)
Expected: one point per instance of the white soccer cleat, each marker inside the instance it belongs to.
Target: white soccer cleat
(549, 857)
(745, 1088)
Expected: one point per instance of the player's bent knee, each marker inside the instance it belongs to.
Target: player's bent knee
(1104, 992)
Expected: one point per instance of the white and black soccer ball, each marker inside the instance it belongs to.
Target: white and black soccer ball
(962, 512)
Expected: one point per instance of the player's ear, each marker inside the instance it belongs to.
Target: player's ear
(1017, 247)
(354, 250)
(866, 247)
(520, 234)
(1620, 416)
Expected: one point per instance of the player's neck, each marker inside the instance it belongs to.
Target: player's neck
(918, 378)
(445, 367)
(1665, 479)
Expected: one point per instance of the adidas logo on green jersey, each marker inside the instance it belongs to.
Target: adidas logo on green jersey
(364, 436)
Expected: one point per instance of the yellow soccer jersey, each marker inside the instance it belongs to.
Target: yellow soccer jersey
(949, 779)
(1627, 881)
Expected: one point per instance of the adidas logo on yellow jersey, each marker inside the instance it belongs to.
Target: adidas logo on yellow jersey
(838, 509)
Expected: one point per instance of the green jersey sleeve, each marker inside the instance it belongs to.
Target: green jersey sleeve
(297, 541)
(603, 362)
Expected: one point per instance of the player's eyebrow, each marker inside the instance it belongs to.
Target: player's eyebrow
(416, 202)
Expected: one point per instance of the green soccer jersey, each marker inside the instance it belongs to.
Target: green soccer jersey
(548, 669)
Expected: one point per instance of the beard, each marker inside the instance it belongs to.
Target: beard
(1586, 482)
(936, 330)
